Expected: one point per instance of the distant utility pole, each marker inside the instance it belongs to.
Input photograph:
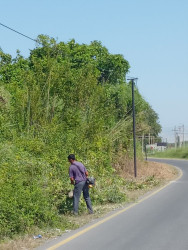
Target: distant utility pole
(177, 133)
(132, 79)
(175, 136)
(181, 130)
(143, 143)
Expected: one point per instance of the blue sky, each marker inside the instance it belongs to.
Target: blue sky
(151, 34)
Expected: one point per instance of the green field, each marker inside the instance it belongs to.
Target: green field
(180, 153)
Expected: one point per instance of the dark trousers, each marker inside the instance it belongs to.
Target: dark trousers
(78, 188)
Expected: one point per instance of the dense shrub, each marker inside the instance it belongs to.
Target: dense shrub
(65, 98)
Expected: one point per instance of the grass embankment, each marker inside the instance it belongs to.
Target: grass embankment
(180, 153)
(150, 176)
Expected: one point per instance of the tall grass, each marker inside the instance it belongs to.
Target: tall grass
(181, 153)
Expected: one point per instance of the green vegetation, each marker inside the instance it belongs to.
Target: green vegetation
(64, 98)
(181, 153)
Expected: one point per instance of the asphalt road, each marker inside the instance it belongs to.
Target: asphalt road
(156, 222)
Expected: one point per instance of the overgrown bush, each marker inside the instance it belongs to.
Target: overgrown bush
(65, 98)
(25, 195)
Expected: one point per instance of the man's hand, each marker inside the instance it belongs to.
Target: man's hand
(72, 180)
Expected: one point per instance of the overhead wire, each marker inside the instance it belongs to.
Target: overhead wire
(39, 42)
(18, 32)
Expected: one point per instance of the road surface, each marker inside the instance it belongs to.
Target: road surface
(157, 222)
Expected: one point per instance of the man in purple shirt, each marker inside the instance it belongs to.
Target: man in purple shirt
(78, 176)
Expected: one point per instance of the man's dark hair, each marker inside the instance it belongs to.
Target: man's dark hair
(71, 157)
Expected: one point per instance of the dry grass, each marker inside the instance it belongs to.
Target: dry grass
(161, 172)
(21, 243)
(145, 169)
(124, 167)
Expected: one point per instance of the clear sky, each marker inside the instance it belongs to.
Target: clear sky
(151, 34)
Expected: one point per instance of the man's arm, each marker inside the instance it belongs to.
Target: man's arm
(72, 180)
(86, 173)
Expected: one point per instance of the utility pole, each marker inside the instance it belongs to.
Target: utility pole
(181, 128)
(143, 143)
(177, 133)
(134, 132)
(149, 139)
(175, 136)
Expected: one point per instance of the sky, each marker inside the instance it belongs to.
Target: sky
(151, 34)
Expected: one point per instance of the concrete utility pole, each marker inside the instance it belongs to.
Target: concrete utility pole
(149, 139)
(143, 143)
(180, 131)
(132, 79)
(175, 135)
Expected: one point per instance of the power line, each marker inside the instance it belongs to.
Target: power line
(18, 33)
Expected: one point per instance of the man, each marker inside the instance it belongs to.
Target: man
(78, 176)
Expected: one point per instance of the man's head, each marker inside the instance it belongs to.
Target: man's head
(71, 158)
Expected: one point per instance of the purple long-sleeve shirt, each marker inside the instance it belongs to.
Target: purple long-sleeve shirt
(77, 171)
